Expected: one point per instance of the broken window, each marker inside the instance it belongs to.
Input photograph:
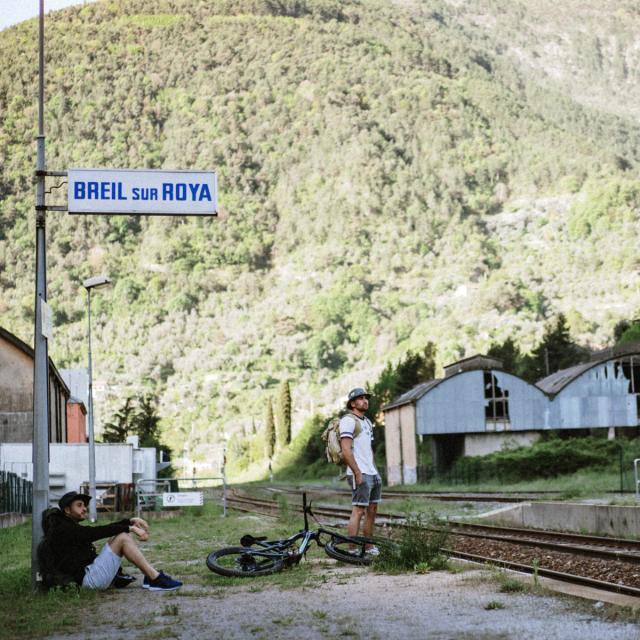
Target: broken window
(496, 407)
(629, 367)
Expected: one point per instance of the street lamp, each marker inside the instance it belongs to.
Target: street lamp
(92, 283)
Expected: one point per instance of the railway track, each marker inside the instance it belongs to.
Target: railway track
(609, 564)
(447, 496)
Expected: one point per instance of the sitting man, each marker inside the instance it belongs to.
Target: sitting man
(73, 552)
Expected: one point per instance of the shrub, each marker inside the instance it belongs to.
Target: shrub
(418, 547)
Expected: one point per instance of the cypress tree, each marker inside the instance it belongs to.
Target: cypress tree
(270, 430)
(283, 421)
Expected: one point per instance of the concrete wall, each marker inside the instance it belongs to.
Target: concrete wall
(409, 452)
(69, 464)
(392, 447)
(16, 394)
(400, 445)
(485, 443)
(581, 518)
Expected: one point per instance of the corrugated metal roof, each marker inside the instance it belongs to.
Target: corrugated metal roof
(557, 381)
(413, 394)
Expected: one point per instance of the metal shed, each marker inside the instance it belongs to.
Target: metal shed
(473, 410)
(603, 394)
(478, 408)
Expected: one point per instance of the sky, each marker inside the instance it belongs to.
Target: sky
(14, 11)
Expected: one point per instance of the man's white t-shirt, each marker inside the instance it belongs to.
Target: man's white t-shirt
(362, 451)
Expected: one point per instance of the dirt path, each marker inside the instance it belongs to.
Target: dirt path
(346, 602)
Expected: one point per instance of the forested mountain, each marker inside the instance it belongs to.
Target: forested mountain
(391, 174)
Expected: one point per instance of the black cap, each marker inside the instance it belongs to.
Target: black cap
(358, 392)
(69, 497)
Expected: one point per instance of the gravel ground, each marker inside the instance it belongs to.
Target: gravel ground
(350, 603)
(614, 571)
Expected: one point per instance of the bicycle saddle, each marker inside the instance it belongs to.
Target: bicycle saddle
(248, 540)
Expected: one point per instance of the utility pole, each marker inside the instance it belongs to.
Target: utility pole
(40, 448)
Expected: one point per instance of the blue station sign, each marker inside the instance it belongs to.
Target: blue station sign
(142, 192)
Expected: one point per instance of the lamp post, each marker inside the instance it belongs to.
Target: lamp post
(92, 283)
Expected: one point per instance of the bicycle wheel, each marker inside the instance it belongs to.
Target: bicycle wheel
(244, 562)
(351, 550)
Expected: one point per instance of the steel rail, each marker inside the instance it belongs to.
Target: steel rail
(577, 537)
(607, 554)
(493, 531)
(547, 573)
(444, 496)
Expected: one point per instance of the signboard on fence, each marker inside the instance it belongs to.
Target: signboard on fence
(182, 499)
(142, 192)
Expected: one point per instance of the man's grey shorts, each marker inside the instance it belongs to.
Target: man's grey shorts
(370, 491)
(101, 572)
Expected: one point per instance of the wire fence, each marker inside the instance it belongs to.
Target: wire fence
(15, 493)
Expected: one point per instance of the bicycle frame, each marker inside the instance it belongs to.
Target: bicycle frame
(282, 547)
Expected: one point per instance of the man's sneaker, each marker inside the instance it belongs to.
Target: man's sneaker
(372, 551)
(123, 580)
(162, 583)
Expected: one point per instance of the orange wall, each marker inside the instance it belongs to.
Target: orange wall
(76, 422)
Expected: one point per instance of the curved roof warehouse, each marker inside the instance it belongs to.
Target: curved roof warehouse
(478, 408)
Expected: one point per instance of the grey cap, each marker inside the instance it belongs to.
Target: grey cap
(357, 393)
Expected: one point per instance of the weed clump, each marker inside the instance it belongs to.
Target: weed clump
(418, 546)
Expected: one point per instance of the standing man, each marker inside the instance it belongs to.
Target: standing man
(74, 555)
(356, 435)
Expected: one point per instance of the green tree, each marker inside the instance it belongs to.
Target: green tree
(120, 426)
(509, 353)
(416, 367)
(556, 351)
(283, 416)
(270, 430)
(137, 417)
(631, 333)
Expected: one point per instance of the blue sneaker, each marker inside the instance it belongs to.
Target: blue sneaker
(162, 583)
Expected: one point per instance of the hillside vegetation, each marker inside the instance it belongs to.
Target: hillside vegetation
(392, 174)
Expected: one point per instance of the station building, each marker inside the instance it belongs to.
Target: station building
(16, 393)
(478, 408)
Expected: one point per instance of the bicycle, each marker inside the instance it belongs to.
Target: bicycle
(261, 557)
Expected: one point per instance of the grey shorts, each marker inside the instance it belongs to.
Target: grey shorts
(370, 491)
(101, 572)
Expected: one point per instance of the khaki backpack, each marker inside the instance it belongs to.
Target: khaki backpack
(331, 436)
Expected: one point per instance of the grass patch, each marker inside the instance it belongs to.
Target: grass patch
(417, 548)
(28, 614)
(511, 585)
(178, 545)
(492, 605)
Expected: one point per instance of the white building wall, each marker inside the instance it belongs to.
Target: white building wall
(69, 464)
(482, 444)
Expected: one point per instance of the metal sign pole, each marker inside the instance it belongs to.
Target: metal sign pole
(41, 359)
(93, 510)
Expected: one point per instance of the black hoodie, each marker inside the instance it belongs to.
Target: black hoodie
(72, 544)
